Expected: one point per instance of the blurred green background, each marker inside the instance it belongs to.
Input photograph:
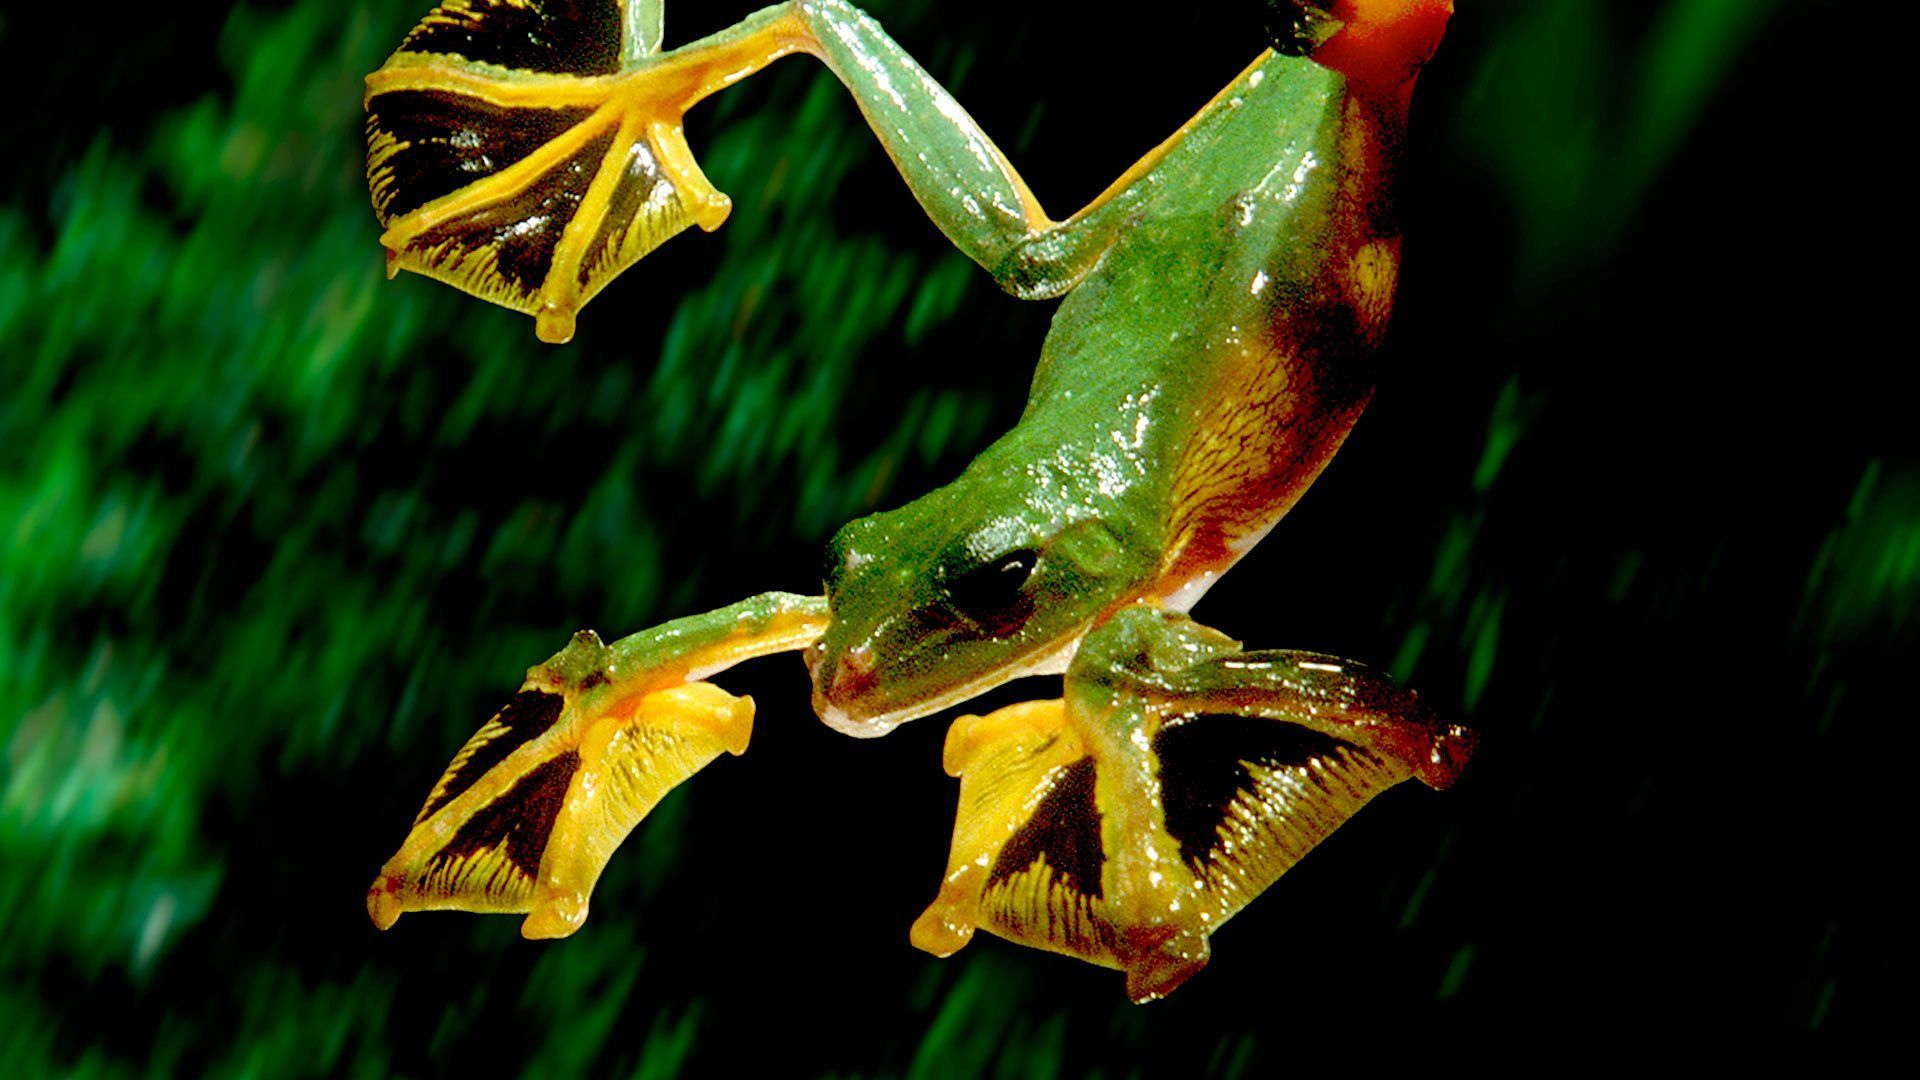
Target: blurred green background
(1636, 500)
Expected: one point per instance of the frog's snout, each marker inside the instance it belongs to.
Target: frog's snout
(839, 684)
(845, 679)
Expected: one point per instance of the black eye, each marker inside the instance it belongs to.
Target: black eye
(994, 595)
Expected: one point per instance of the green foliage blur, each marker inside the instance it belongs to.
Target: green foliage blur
(279, 533)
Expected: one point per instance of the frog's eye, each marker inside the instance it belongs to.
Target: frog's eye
(832, 565)
(994, 595)
(840, 558)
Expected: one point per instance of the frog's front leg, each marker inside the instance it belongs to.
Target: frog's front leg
(535, 803)
(1177, 780)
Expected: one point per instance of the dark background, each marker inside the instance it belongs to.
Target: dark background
(1638, 499)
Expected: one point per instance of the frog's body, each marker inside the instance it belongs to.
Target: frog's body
(1210, 354)
(1196, 380)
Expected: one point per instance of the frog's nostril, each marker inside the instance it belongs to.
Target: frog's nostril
(841, 690)
(852, 675)
(855, 673)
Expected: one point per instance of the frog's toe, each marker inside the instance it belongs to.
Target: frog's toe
(1159, 958)
(949, 922)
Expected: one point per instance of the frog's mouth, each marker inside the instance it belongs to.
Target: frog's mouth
(844, 717)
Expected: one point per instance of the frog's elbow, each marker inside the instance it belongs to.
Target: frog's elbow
(1041, 267)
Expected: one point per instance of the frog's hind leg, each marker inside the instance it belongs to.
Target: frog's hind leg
(532, 807)
(1178, 779)
(528, 151)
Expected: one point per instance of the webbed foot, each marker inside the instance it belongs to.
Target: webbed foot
(527, 152)
(1178, 779)
(532, 807)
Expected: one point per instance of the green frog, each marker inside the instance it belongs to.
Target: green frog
(1218, 307)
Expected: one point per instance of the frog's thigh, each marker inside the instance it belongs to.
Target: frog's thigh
(535, 803)
(1320, 703)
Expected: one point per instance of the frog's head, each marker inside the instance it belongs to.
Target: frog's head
(956, 593)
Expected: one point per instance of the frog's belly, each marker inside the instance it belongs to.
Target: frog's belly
(1270, 431)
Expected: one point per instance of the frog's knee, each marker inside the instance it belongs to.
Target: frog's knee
(1041, 268)
(1141, 640)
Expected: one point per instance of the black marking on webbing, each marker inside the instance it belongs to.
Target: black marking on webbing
(1204, 768)
(572, 37)
(633, 199)
(1064, 830)
(448, 141)
(523, 817)
(526, 717)
(524, 229)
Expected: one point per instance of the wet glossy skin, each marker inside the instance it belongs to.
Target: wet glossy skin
(1217, 308)
(1193, 384)
(1207, 358)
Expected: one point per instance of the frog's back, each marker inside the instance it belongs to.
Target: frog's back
(1227, 328)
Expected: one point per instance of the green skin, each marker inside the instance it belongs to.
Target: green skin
(1231, 237)
(1220, 239)
(1219, 305)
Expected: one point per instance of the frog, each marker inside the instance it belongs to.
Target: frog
(1219, 308)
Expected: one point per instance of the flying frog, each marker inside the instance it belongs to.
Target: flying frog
(1218, 306)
